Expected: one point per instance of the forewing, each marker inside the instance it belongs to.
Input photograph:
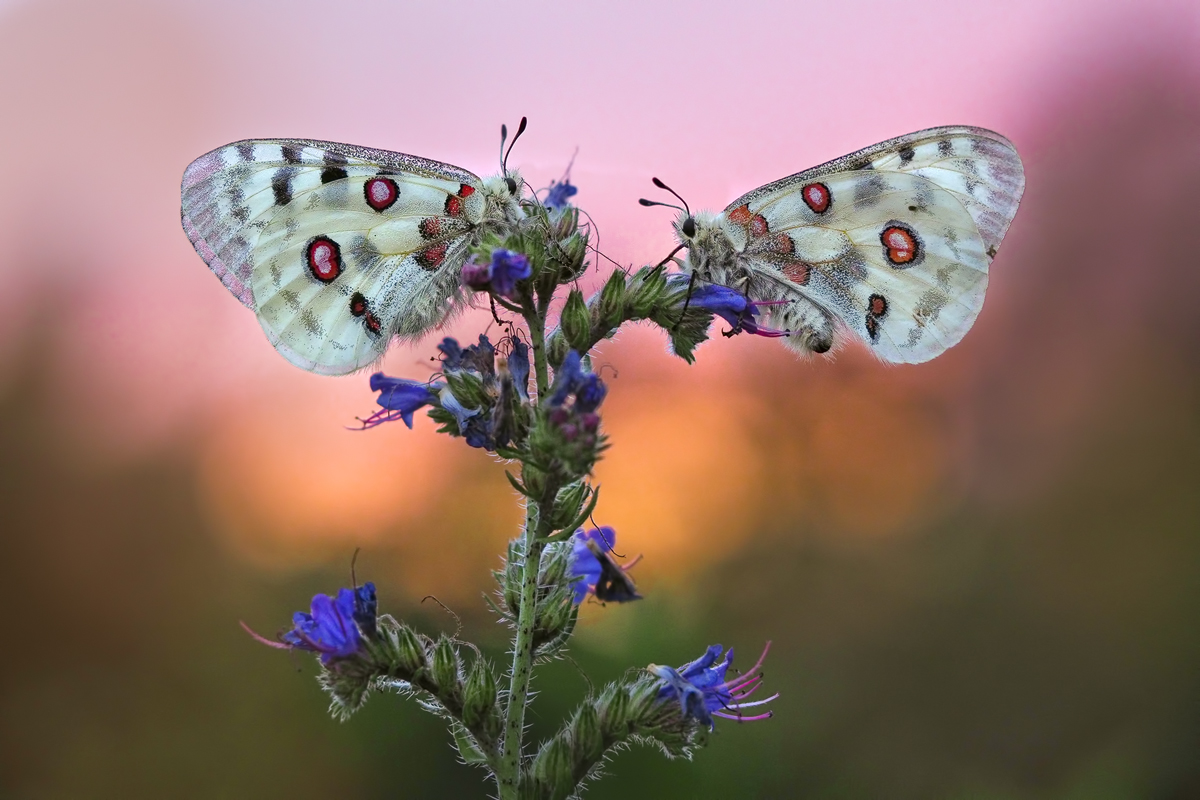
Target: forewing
(897, 258)
(980, 168)
(335, 247)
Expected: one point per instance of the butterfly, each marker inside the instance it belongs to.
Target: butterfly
(891, 243)
(339, 248)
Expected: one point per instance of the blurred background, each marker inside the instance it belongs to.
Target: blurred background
(979, 574)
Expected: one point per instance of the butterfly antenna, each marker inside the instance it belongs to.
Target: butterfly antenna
(648, 203)
(662, 185)
(354, 558)
(517, 135)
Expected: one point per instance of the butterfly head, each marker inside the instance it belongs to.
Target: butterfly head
(707, 241)
(502, 193)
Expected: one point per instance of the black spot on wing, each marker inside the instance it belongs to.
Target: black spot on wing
(245, 151)
(906, 154)
(945, 147)
(291, 154)
(335, 168)
(281, 185)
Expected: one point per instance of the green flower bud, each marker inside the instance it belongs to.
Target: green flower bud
(613, 708)
(479, 695)
(566, 223)
(445, 671)
(576, 322)
(586, 737)
(610, 308)
(553, 768)
(409, 654)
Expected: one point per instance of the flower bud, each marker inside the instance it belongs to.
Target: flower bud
(553, 767)
(444, 670)
(565, 223)
(611, 306)
(586, 737)
(410, 653)
(479, 695)
(576, 322)
(613, 708)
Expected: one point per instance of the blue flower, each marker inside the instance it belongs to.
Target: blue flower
(560, 194)
(506, 269)
(479, 357)
(518, 365)
(703, 691)
(567, 378)
(594, 570)
(589, 393)
(335, 627)
(730, 305)
(500, 275)
(399, 399)
(365, 608)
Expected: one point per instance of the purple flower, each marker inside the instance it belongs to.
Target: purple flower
(594, 570)
(479, 357)
(730, 305)
(518, 365)
(334, 628)
(566, 379)
(399, 399)
(703, 691)
(506, 269)
(560, 194)
(589, 393)
(501, 275)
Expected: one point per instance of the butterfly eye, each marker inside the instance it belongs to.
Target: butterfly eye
(689, 227)
(512, 186)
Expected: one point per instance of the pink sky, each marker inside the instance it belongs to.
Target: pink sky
(107, 103)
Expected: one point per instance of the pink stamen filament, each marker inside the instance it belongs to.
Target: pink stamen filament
(262, 639)
(740, 718)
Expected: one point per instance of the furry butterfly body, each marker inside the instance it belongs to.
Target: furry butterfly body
(891, 243)
(339, 248)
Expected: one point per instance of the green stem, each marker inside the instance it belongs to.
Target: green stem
(509, 771)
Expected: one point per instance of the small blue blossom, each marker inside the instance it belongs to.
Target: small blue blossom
(703, 691)
(560, 194)
(365, 609)
(730, 305)
(479, 357)
(501, 275)
(399, 399)
(594, 570)
(589, 393)
(566, 379)
(335, 626)
(506, 269)
(518, 365)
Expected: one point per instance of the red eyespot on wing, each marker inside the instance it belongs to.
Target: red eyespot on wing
(797, 272)
(465, 190)
(430, 227)
(873, 328)
(782, 244)
(323, 257)
(372, 323)
(877, 305)
(740, 215)
(817, 197)
(381, 193)
(431, 257)
(358, 304)
(758, 225)
(901, 245)
(453, 206)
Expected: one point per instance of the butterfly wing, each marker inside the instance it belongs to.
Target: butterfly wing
(336, 248)
(893, 242)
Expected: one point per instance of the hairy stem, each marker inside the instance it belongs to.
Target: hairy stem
(508, 774)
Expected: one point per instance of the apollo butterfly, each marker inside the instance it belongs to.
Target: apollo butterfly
(891, 243)
(339, 248)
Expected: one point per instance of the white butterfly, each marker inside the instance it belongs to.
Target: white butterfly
(338, 248)
(892, 242)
